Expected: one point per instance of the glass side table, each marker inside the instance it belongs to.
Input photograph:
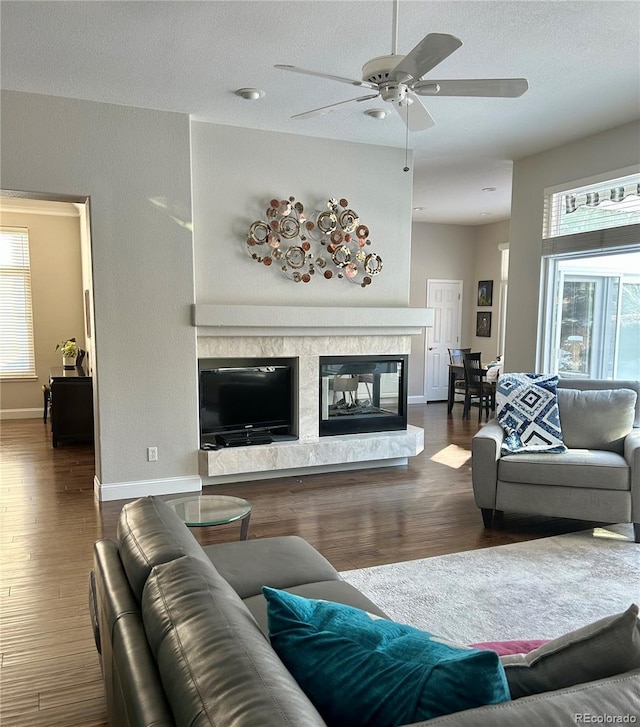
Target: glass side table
(199, 511)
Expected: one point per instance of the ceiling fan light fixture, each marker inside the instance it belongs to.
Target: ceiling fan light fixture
(250, 94)
(376, 113)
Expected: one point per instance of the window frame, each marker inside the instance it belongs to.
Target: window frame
(29, 372)
(589, 244)
(502, 302)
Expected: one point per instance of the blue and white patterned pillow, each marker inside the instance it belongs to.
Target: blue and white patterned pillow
(527, 409)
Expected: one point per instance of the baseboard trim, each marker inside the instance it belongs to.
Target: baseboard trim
(21, 413)
(417, 399)
(142, 488)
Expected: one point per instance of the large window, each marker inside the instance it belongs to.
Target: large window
(16, 322)
(596, 331)
(591, 304)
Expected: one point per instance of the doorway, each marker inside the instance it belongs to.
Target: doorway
(58, 231)
(445, 297)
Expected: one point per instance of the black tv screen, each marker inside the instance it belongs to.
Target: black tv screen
(245, 398)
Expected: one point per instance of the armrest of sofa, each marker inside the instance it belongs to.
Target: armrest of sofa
(281, 562)
(133, 690)
(485, 450)
(632, 455)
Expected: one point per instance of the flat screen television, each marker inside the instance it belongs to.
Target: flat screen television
(242, 399)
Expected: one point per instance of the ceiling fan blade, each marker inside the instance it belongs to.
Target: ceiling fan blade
(350, 81)
(327, 109)
(430, 51)
(415, 115)
(487, 87)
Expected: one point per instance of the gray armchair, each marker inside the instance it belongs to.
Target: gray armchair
(597, 478)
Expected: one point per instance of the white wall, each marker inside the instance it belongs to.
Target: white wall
(124, 158)
(236, 172)
(601, 153)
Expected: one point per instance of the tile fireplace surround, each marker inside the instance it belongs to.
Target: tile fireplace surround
(306, 334)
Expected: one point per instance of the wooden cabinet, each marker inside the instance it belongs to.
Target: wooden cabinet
(71, 405)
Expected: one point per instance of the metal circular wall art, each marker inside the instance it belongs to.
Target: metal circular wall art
(329, 242)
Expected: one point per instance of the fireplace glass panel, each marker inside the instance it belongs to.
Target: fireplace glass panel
(362, 394)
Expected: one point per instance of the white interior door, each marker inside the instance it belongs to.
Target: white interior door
(445, 297)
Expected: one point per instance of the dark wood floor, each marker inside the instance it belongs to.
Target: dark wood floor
(49, 669)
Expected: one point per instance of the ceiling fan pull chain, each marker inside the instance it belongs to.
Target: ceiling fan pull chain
(406, 144)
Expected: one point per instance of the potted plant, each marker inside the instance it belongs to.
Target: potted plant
(69, 350)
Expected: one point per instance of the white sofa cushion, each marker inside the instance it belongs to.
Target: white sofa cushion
(598, 469)
(596, 419)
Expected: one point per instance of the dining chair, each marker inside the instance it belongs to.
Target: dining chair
(367, 380)
(475, 386)
(346, 384)
(455, 359)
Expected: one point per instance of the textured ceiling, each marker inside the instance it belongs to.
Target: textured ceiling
(582, 60)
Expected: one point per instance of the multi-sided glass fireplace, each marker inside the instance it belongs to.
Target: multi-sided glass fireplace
(362, 394)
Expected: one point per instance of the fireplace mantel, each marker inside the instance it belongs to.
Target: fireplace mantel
(259, 320)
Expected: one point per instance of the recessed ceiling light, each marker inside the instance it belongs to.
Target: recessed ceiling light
(418, 209)
(250, 94)
(488, 189)
(485, 214)
(376, 113)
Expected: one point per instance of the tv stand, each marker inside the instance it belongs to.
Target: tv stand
(243, 439)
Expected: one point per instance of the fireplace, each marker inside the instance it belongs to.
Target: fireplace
(362, 394)
(305, 450)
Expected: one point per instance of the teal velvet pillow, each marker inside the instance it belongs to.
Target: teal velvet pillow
(360, 670)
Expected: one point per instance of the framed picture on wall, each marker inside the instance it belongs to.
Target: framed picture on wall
(483, 324)
(485, 292)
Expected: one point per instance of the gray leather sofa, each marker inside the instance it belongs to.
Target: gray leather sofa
(597, 478)
(181, 632)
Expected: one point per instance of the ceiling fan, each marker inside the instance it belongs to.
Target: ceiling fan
(399, 80)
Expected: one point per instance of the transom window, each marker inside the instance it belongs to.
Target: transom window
(600, 206)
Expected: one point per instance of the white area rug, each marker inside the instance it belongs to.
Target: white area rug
(539, 589)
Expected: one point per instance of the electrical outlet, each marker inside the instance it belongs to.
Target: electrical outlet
(152, 454)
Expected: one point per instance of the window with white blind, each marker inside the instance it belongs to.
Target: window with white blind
(591, 301)
(17, 359)
(612, 204)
